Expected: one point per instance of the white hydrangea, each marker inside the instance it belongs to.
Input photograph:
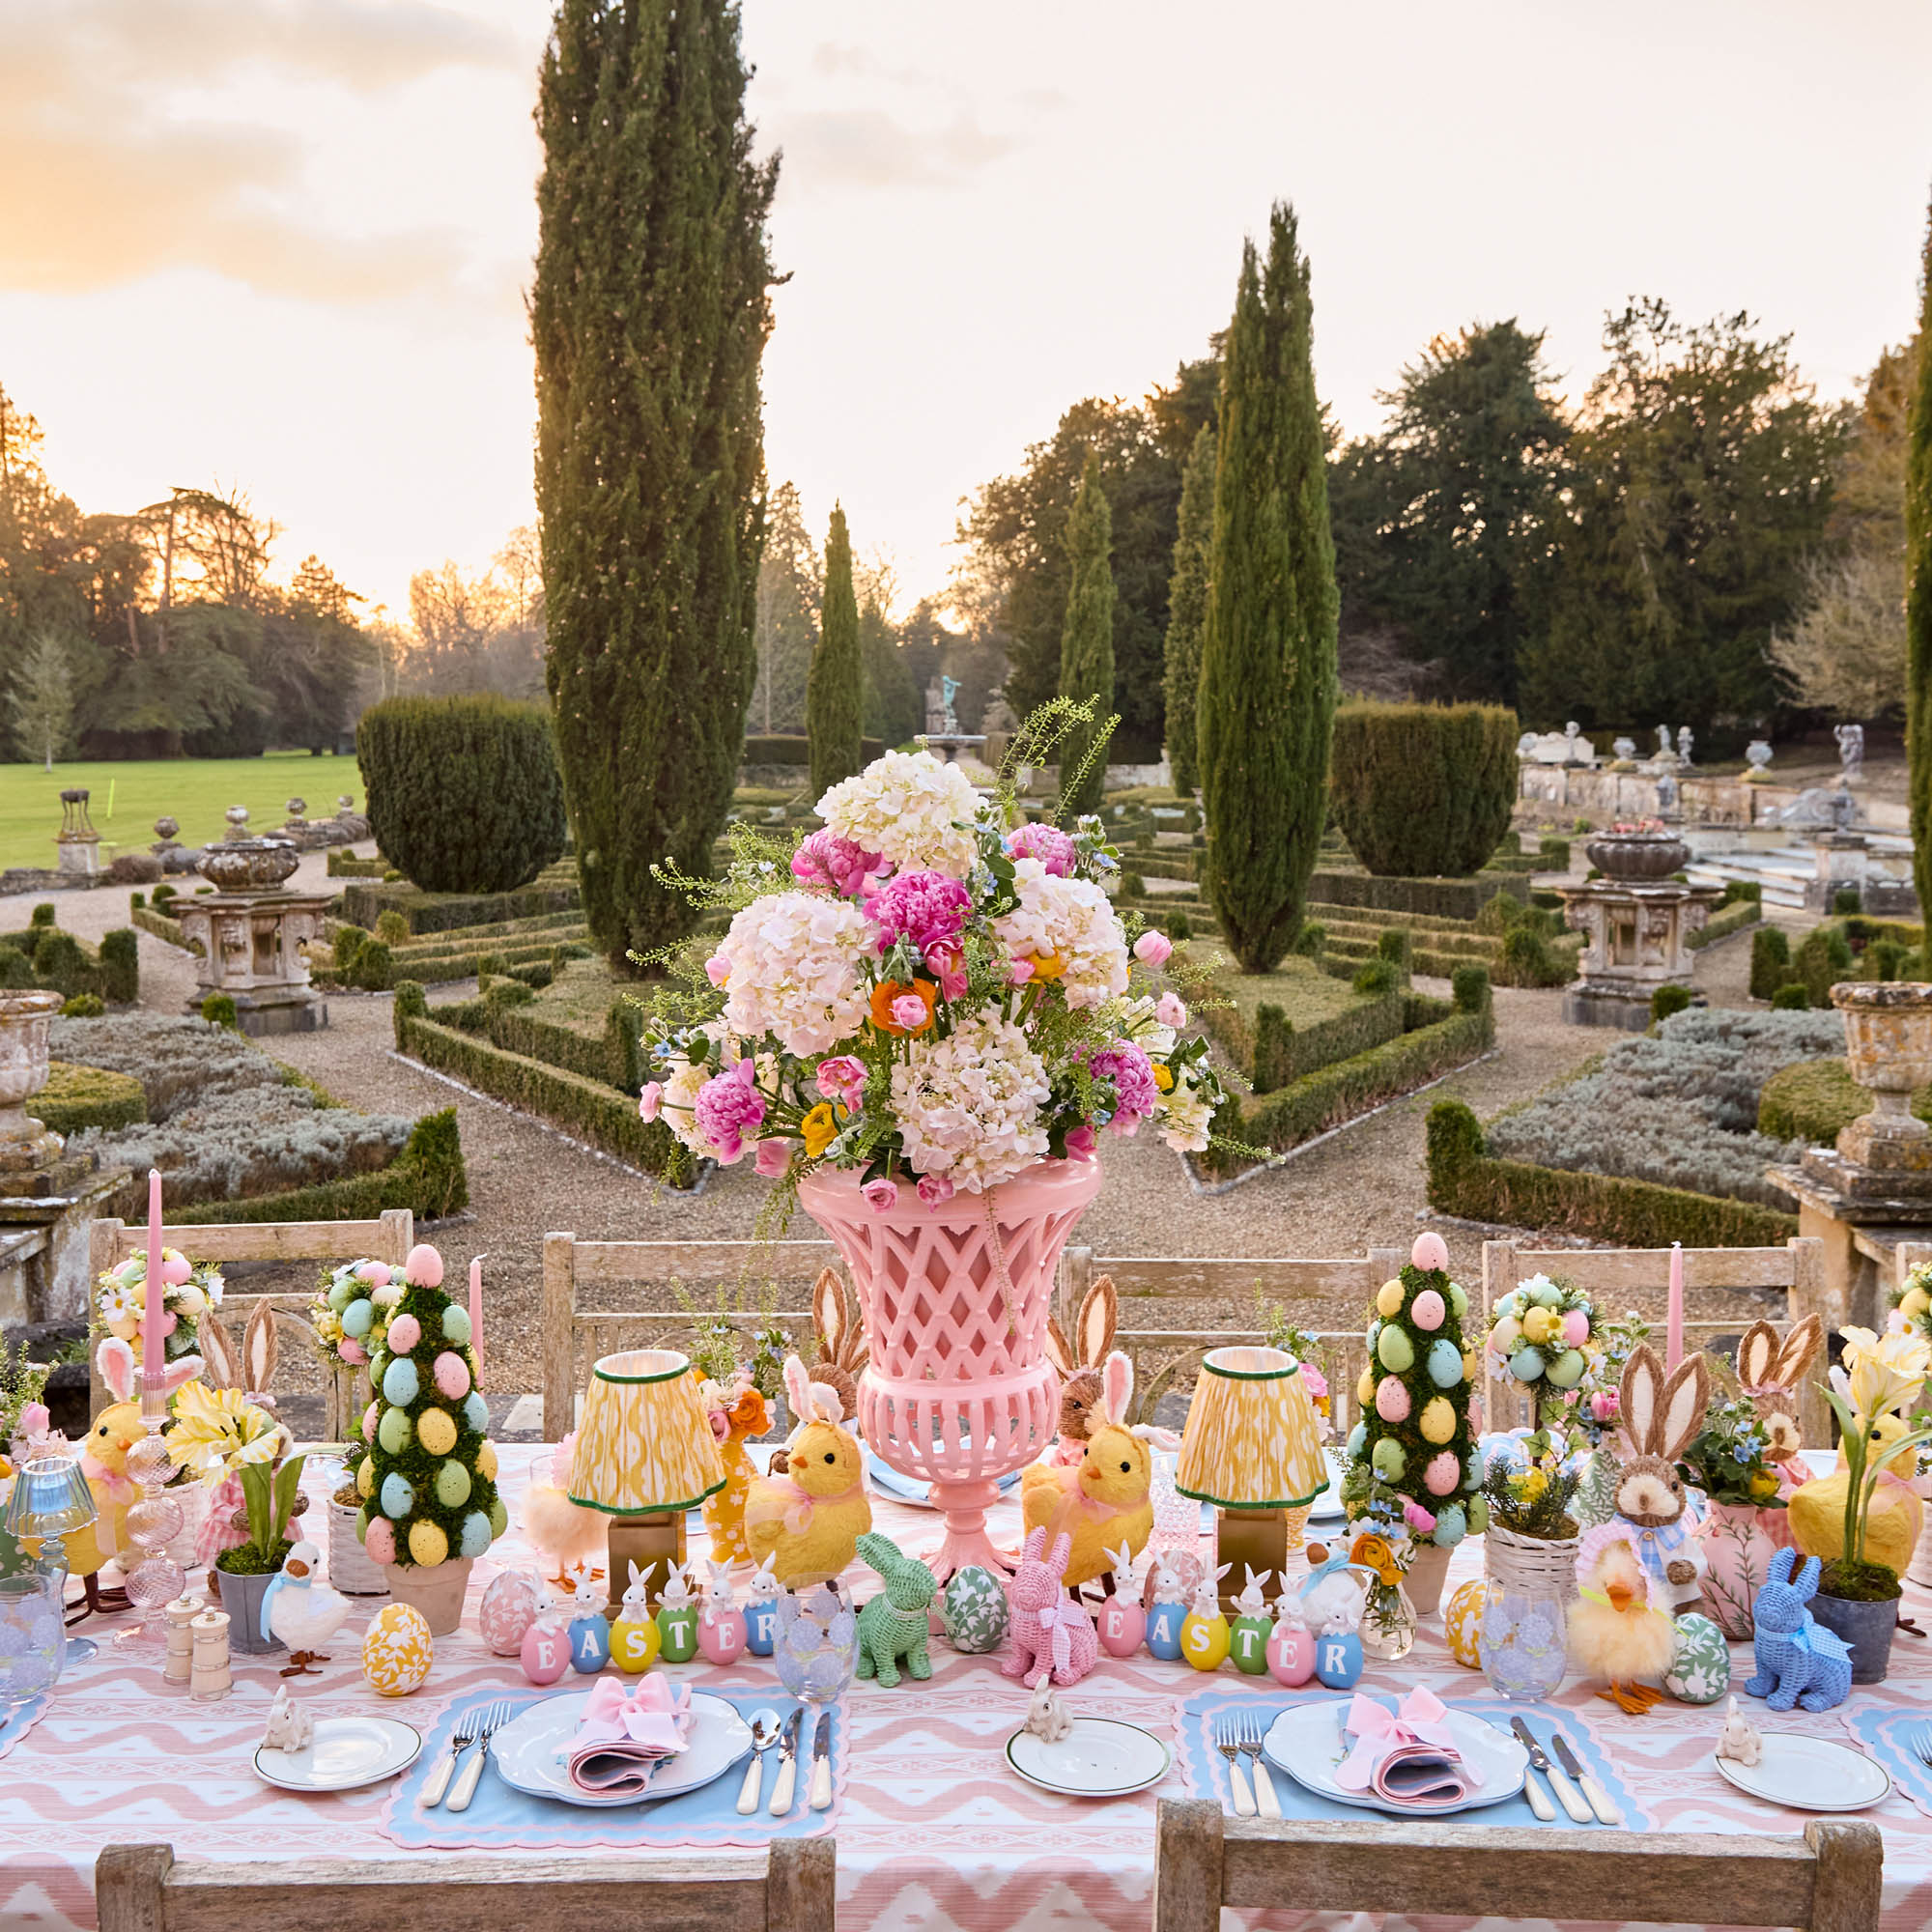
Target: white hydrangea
(793, 964)
(680, 1096)
(1185, 1120)
(913, 808)
(1069, 921)
(967, 1105)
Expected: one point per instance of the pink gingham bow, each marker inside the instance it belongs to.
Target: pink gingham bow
(1420, 1719)
(1057, 1622)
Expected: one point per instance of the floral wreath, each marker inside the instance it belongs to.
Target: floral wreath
(1542, 1336)
(352, 1307)
(190, 1290)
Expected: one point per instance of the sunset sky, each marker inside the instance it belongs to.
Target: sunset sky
(282, 244)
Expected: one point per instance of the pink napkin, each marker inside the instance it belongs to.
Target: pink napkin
(625, 1734)
(1408, 1757)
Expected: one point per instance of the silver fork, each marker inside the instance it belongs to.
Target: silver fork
(1918, 1742)
(1227, 1742)
(466, 1785)
(439, 1779)
(1266, 1804)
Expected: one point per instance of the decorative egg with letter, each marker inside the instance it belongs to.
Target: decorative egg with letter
(975, 1610)
(397, 1650)
(1701, 1672)
(1338, 1659)
(1462, 1623)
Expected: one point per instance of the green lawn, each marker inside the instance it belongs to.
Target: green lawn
(197, 791)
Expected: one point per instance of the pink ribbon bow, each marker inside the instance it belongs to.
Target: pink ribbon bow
(1421, 1717)
(1056, 1624)
(654, 1714)
(779, 1499)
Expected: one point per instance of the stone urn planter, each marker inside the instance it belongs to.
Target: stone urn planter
(24, 1021)
(244, 864)
(1888, 1047)
(1637, 855)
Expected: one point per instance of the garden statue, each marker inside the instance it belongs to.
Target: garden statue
(1663, 749)
(1757, 755)
(1851, 753)
(1683, 744)
(1625, 750)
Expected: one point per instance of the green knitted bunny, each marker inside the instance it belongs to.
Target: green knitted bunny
(892, 1625)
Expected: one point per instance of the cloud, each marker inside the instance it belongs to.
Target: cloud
(101, 185)
(864, 147)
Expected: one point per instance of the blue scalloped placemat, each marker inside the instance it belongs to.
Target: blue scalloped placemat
(21, 1719)
(1207, 1770)
(501, 1819)
(1881, 1732)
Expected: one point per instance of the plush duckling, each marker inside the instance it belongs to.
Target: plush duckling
(572, 1536)
(302, 1610)
(1816, 1511)
(1101, 1501)
(1615, 1632)
(809, 1519)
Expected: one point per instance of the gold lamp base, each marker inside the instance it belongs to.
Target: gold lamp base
(1261, 1540)
(653, 1543)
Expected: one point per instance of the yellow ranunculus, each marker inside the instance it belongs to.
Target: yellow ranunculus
(1163, 1078)
(820, 1129)
(1885, 1370)
(1052, 967)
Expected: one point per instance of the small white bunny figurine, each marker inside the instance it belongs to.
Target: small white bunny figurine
(676, 1592)
(719, 1595)
(636, 1608)
(1288, 1605)
(1047, 1717)
(587, 1597)
(1168, 1586)
(764, 1587)
(551, 1611)
(1207, 1592)
(1253, 1599)
(1129, 1572)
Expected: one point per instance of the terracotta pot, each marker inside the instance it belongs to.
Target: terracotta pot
(436, 1592)
(958, 1390)
(241, 1598)
(1866, 1627)
(1426, 1576)
(1739, 1541)
(350, 1568)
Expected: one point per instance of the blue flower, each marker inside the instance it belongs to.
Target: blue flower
(1742, 1453)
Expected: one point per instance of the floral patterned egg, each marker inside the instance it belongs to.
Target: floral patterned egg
(397, 1650)
(1700, 1673)
(975, 1610)
(509, 1608)
(1462, 1624)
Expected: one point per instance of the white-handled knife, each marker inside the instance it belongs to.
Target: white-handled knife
(788, 1771)
(1532, 1787)
(821, 1764)
(1566, 1793)
(1599, 1799)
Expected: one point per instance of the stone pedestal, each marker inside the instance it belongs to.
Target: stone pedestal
(1635, 927)
(251, 933)
(1841, 859)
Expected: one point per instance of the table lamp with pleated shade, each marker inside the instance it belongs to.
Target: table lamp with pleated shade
(1253, 1448)
(645, 1455)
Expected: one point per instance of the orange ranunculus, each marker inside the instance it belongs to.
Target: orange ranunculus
(748, 1415)
(887, 992)
(1373, 1552)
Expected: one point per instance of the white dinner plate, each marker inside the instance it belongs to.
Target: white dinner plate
(346, 1753)
(913, 1489)
(524, 1752)
(1809, 1774)
(1306, 1742)
(1098, 1759)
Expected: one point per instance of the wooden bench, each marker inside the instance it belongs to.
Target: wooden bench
(388, 1239)
(1828, 1880)
(1609, 1275)
(786, 1888)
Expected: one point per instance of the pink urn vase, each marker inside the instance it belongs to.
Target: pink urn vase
(1739, 1541)
(959, 1391)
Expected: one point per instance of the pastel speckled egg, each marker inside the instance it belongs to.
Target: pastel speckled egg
(356, 1317)
(378, 1540)
(1438, 1421)
(1388, 1298)
(1443, 1474)
(478, 1532)
(455, 1324)
(393, 1430)
(452, 1485)
(1428, 1313)
(436, 1428)
(1575, 1327)
(477, 1412)
(1461, 1621)
(1395, 1351)
(1701, 1672)
(1429, 1252)
(451, 1374)
(1459, 1299)
(1392, 1399)
(975, 1608)
(397, 1650)
(400, 1384)
(1567, 1370)
(508, 1609)
(399, 1495)
(369, 1422)
(1388, 1459)
(1451, 1526)
(1444, 1363)
(428, 1544)
(405, 1332)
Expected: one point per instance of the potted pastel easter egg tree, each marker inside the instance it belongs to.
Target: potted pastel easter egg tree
(1415, 1468)
(430, 1505)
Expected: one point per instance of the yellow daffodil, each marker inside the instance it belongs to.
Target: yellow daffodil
(820, 1129)
(1532, 1485)
(1885, 1370)
(216, 1432)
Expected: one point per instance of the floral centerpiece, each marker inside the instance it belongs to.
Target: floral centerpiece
(350, 1311)
(190, 1290)
(1539, 1340)
(1911, 1311)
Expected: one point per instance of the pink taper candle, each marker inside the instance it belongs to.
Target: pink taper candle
(1673, 1328)
(151, 1369)
(476, 1312)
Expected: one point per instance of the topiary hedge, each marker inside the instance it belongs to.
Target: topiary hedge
(363, 904)
(1423, 791)
(1419, 899)
(465, 795)
(1771, 961)
(1816, 1098)
(1466, 1180)
(78, 1098)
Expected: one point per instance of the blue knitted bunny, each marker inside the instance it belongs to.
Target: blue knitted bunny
(1799, 1660)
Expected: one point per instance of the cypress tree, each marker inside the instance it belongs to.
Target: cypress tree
(1267, 658)
(648, 314)
(1087, 643)
(835, 692)
(1187, 610)
(1918, 587)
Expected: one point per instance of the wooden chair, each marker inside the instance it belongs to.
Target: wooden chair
(1828, 1880)
(388, 1239)
(1608, 1275)
(790, 1888)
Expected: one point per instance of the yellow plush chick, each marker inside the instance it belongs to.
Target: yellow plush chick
(1101, 1501)
(810, 1518)
(1817, 1509)
(1615, 1633)
(104, 1461)
(566, 1531)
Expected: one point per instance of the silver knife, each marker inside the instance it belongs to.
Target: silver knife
(788, 1771)
(1600, 1798)
(821, 1764)
(1566, 1792)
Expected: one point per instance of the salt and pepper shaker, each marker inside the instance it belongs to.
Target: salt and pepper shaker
(181, 1615)
(211, 1678)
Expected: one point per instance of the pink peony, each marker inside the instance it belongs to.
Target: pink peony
(909, 1012)
(718, 970)
(1171, 1010)
(934, 1190)
(926, 909)
(1135, 1094)
(727, 1109)
(1019, 971)
(35, 1420)
(1154, 949)
(842, 1078)
(772, 1157)
(1051, 847)
(846, 868)
(882, 1196)
(650, 1101)
(720, 1424)
(1417, 1519)
(1081, 1142)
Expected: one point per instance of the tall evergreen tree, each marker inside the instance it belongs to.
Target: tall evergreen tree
(1087, 643)
(894, 711)
(649, 315)
(1919, 588)
(835, 692)
(1267, 660)
(1187, 610)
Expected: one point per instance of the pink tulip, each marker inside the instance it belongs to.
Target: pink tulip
(771, 1158)
(882, 1195)
(1153, 949)
(1417, 1519)
(650, 1102)
(842, 1078)
(1171, 1010)
(934, 1190)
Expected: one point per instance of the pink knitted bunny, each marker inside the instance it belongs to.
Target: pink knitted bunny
(1050, 1633)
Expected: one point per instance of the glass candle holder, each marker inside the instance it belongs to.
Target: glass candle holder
(817, 1649)
(151, 1521)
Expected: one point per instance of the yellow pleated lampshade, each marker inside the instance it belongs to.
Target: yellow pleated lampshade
(644, 1445)
(1252, 1441)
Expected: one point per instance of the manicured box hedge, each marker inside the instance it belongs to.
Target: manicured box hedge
(1815, 1099)
(1424, 898)
(162, 927)
(784, 748)
(1725, 921)
(76, 1097)
(1464, 1180)
(364, 903)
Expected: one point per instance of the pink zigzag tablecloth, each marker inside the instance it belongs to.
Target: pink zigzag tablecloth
(935, 1834)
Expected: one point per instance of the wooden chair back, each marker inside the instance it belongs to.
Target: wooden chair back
(388, 1239)
(1609, 1276)
(786, 1888)
(1828, 1880)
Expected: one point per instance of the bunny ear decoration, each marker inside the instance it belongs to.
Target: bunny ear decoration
(798, 1388)
(1099, 1314)
(259, 1350)
(1637, 1401)
(1799, 1350)
(1686, 1395)
(1057, 1351)
(1159, 1437)
(1756, 1354)
(828, 1312)
(1036, 1541)
(219, 1348)
(115, 1360)
(827, 1405)
(1061, 1555)
(1117, 1387)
